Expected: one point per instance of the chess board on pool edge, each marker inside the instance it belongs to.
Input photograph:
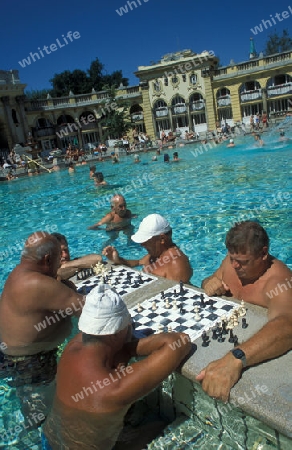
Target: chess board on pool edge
(122, 280)
(182, 309)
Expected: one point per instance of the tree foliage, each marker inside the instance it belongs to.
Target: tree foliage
(117, 120)
(81, 82)
(277, 43)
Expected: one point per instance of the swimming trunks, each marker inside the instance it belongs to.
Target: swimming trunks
(29, 369)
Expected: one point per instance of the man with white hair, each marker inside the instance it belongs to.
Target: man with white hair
(164, 258)
(35, 317)
(96, 384)
(118, 218)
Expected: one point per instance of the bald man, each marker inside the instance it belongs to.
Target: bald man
(35, 314)
(118, 218)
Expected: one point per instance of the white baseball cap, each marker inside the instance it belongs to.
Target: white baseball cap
(104, 312)
(152, 225)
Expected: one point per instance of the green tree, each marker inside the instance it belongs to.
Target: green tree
(95, 74)
(115, 79)
(76, 81)
(116, 121)
(278, 44)
(81, 82)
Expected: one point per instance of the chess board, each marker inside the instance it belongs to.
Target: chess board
(180, 314)
(124, 280)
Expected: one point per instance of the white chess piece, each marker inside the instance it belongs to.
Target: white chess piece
(139, 309)
(160, 328)
(166, 304)
(242, 309)
(153, 307)
(197, 316)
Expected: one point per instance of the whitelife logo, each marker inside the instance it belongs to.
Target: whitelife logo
(47, 50)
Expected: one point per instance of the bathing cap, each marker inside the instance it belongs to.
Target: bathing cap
(104, 312)
(152, 225)
(231, 141)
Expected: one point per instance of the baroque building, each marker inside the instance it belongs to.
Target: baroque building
(183, 91)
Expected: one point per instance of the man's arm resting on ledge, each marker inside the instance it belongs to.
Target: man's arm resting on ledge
(272, 340)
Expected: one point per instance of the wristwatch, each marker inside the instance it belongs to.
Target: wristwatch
(239, 354)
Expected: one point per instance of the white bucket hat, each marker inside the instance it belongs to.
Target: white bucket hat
(152, 225)
(104, 312)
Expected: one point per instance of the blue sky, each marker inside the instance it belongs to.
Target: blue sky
(127, 40)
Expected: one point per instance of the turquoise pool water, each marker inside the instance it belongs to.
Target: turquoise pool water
(202, 195)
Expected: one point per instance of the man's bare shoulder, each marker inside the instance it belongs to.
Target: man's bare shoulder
(279, 269)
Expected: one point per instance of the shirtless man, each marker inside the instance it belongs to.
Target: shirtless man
(35, 316)
(119, 217)
(164, 258)
(96, 363)
(249, 273)
(70, 267)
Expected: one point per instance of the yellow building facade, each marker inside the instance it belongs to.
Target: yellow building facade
(183, 91)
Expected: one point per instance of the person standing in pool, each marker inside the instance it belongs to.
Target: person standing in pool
(35, 317)
(164, 258)
(97, 384)
(118, 218)
(251, 274)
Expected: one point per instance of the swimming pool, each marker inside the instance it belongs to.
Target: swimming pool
(201, 195)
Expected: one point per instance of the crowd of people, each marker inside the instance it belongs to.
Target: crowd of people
(40, 298)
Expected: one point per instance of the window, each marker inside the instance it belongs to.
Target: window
(193, 79)
(165, 82)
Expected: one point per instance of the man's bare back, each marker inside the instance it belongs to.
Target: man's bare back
(32, 296)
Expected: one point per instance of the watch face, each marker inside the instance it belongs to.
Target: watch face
(238, 353)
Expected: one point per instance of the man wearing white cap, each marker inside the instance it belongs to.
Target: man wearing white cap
(164, 258)
(96, 385)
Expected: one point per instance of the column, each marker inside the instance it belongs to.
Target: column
(10, 126)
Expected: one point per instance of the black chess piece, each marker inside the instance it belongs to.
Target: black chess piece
(220, 336)
(181, 288)
(202, 300)
(205, 339)
(140, 281)
(162, 295)
(175, 293)
(214, 334)
(181, 309)
(211, 303)
(231, 336)
(224, 325)
(235, 340)
(244, 324)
